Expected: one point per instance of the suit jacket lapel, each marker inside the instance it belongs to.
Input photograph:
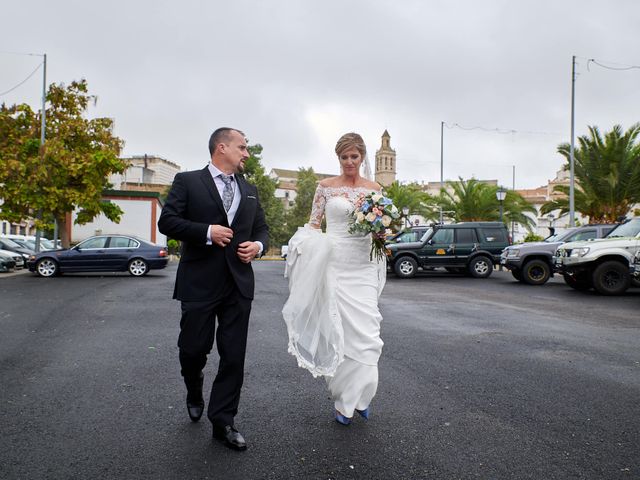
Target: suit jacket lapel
(207, 179)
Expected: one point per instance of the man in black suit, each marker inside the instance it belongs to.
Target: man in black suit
(216, 215)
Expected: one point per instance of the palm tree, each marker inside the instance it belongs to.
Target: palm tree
(413, 197)
(607, 175)
(473, 200)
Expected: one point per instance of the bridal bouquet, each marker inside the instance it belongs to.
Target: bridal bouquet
(373, 214)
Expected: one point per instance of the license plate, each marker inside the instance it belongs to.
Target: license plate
(503, 261)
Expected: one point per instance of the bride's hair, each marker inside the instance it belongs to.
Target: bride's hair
(350, 140)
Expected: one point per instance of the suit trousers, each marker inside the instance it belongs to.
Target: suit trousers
(197, 332)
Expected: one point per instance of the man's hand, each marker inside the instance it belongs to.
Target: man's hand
(220, 235)
(247, 251)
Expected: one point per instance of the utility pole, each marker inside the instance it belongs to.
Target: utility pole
(441, 164)
(42, 135)
(572, 148)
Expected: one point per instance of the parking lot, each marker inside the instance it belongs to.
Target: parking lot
(479, 378)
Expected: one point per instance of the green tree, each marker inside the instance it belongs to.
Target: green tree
(273, 208)
(607, 175)
(412, 196)
(299, 214)
(69, 172)
(473, 200)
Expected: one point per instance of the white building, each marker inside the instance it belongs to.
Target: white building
(145, 169)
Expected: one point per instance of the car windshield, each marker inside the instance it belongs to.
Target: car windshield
(628, 229)
(427, 234)
(560, 236)
(10, 243)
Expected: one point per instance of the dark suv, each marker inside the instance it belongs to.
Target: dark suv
(468, 247)
(532, 263)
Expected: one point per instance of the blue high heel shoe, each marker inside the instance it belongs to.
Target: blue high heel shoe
(341, 419)
(364, 413)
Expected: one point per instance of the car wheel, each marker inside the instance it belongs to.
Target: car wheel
(577, 282)
(47, 267)
(536, 272)
(405, 267)
(517, 274)
(480, 267)
(611, 278)
(138, 267)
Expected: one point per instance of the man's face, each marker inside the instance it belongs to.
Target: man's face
(234, 152)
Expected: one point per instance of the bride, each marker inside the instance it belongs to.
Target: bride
(332, 312)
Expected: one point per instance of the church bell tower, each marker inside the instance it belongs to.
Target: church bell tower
(385, 162)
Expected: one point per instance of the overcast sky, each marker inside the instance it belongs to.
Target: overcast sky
(296, 74)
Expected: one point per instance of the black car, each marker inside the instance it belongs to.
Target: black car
(467, 247)
(104, 253)
(12, 246)
(411, 234)
(7, 263)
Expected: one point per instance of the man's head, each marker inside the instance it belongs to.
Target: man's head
(228, 149)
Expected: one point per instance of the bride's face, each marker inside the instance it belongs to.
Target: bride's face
(350, 161)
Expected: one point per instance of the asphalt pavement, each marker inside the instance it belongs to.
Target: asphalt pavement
(485, 379)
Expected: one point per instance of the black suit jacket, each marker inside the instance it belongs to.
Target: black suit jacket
(192, 205)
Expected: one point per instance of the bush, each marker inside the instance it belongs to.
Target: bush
(173, 246)
(532, 237)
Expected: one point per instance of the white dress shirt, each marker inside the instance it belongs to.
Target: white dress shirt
(215, 173)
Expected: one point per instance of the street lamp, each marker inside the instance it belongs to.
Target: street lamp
(551, 217)
(405, 213)
(501, 194)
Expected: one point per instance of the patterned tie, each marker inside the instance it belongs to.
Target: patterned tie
(227, 193)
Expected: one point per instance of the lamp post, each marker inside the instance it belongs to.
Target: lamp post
(405, 213)
(501, 194)
(551, 217)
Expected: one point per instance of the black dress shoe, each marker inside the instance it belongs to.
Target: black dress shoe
(195, 401)
(230, 437)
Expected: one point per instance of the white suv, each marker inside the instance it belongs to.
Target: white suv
(602, 264)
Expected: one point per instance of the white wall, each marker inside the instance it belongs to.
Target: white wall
(136, 220)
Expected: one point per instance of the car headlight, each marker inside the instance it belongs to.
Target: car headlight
(579, 252)
(512, 252)
(25, 256)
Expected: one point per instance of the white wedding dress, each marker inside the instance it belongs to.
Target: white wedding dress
(332, 312)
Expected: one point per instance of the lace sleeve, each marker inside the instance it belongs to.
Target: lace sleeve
(317, 208)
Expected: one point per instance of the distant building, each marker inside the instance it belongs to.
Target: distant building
(287, 185)
(148, 173)
(385, 173)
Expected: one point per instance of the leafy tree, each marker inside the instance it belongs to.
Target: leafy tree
(273, 208)
(607, 175)
(412, 196)
(473, 200)
(299, 214)
(69, 172)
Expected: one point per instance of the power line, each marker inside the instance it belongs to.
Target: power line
(501, 130)
(621, 67)
(22, 54)
(23, 81)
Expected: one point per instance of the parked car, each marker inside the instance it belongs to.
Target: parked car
(19, 260)
(103, 253)
(468, 247)
(11, 246)
(7, 262)
(634, 267)
(532, 262)
(412, 234)
(602, 264)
